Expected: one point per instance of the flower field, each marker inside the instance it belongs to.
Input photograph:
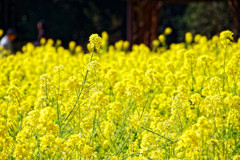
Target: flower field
(171, 102)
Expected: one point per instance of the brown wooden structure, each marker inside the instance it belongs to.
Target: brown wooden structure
(235, 7)
(142, 18)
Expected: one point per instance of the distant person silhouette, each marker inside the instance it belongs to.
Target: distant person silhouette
(7, 40)
(42, 31)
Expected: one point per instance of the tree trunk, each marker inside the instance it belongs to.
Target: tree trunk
(142, 25)
(235, 7)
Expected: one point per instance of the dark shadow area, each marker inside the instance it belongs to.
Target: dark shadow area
(205, 18)
(77, 19)
(65, 19)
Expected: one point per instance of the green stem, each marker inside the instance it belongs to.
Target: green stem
(93, 130)
(46, 94)
(159, 135)
(192, 76)
(224, 63)
(79, 92)
(58, 109)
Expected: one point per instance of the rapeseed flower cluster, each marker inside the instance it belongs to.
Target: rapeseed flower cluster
(172, 102)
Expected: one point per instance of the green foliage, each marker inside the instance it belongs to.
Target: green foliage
(208, 18)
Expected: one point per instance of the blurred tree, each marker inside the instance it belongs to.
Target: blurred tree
(170, 15)
(208, 18)
(235, 8)
(142, 20)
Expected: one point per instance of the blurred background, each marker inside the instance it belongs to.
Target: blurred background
(77, 19)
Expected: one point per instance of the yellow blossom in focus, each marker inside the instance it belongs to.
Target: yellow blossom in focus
(95, 42)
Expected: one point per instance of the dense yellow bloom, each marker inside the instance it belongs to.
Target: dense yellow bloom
(32, 118)
(190, 138)
(73, 83)
(3, 155)
(93, 66)
(22, 151)
(88, 151)
(226, 37)
(22, 135)
(237, 157)
(14, 92)
(75, 141)
(12, 111)
(58, 68)
(196, 99)
(172, 102)
(47, 142)
(215, 82)
(47, 114)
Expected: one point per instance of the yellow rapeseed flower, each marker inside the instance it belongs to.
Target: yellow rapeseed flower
(1, 32)
(188, 37)
(95, 42)
(162, 38)
(168, 30)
